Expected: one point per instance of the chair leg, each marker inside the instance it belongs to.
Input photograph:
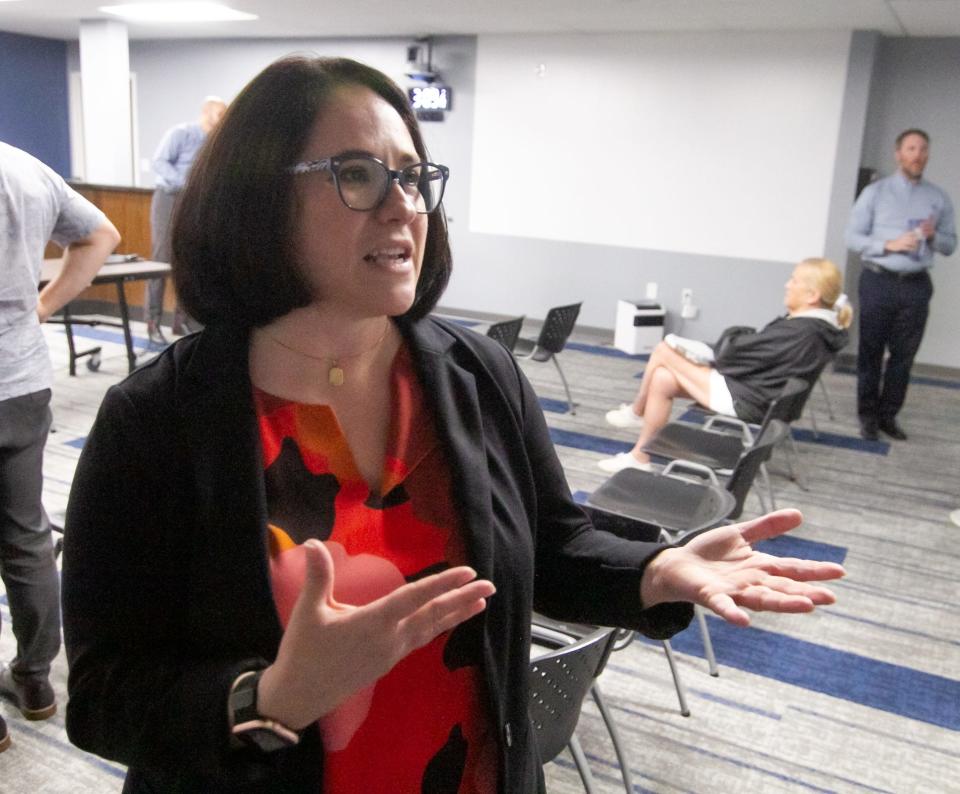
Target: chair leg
(681, 690)
(765, 476)
(614, 737)
(813, 422)
(826, 396)
(566, 388)
(707, 642)
(580, 759)
(798, 476)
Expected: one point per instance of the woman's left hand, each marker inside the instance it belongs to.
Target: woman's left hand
(719, 570)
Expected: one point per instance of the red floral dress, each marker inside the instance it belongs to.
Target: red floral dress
(424, 725)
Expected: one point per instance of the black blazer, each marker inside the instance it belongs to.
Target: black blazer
(166, 588)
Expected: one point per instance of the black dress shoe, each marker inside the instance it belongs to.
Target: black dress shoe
(32, 695)
(892, 428)
(869, 430)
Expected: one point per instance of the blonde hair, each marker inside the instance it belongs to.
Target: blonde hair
(825, 278)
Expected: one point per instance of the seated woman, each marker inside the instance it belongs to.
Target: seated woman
(749, 368)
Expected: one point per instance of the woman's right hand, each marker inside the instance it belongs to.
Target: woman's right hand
(331, 650)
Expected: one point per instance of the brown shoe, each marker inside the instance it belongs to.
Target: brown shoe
(33, 695)
(4, 736)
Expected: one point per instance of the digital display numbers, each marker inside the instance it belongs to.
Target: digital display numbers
(430, 97)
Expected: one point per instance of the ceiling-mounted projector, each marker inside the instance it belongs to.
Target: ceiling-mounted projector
(419, 66)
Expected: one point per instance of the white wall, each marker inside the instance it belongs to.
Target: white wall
(721, 145)
(538, 265)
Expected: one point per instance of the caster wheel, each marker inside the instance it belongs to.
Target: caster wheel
(93, 363)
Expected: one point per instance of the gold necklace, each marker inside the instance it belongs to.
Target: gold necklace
(335, 373)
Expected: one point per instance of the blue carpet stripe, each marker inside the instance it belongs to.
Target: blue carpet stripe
(570, 438)
(76, 443)
(888, 687)
(553, 406)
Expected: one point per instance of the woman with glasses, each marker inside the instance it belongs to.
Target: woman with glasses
(303, 546)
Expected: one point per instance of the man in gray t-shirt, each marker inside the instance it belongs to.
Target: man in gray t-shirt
(36, 205)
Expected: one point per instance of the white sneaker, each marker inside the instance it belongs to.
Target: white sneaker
(621, 461)
(624, 417)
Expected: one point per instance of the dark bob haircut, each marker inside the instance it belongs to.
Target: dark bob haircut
(234, 259)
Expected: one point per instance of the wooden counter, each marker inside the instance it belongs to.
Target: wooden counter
(128, 208)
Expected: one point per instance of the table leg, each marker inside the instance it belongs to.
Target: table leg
(68, 327)
(125, 319)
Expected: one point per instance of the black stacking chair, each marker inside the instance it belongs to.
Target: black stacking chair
(557, 328)
(722, 440)
(559, 681)
(680, 507)
(506, 332)
(553, 633)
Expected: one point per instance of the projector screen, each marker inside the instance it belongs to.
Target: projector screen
(720, 144)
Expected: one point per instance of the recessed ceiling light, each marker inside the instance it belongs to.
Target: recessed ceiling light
(177, 12)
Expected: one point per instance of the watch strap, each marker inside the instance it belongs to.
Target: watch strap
(247, 726)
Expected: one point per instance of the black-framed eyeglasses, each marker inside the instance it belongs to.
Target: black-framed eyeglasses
(363, 182)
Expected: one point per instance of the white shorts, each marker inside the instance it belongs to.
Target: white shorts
(720, 399)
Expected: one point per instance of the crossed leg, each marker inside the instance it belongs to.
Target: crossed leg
(668, 375)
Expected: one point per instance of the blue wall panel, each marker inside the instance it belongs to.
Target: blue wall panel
(33, 98)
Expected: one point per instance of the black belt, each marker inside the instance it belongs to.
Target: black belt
(900, 275)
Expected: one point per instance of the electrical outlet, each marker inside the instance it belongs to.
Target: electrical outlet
(686, 296)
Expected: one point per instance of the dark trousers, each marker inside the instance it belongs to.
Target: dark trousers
(893, 315)
(161, 214)
(27, 564)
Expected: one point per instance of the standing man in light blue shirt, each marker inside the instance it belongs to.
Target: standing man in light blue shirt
(896, 226)
(171, 164)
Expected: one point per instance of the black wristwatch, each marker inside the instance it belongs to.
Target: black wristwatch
(248, 727)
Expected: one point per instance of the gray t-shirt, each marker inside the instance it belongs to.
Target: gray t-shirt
(36, 205)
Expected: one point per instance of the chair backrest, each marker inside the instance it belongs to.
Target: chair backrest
(557, 327)
(788, 405)
(750, 461)
(506, 332)
(559, 681)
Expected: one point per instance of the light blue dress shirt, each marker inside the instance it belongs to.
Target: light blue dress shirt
(893, 205)
(176, 154)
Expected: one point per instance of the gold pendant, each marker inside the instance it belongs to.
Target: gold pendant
(335, 375)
